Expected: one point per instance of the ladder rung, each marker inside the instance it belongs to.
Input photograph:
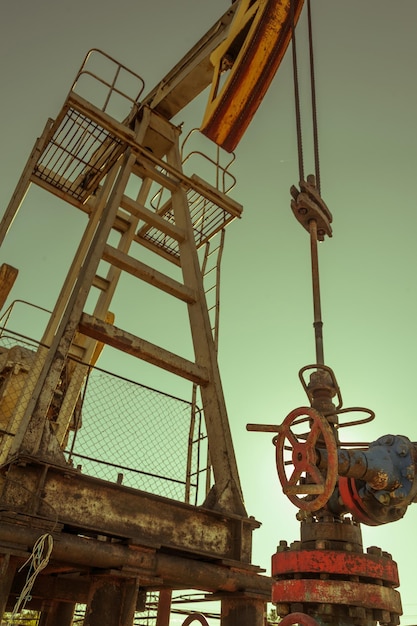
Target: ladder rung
(77, 352)
(148, 274)
(101, 283)
(142, 349)
(209, 254)
(151, 219)
(147, 170)
(162, 211)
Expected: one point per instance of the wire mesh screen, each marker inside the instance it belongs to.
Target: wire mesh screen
(78, 155)
(122, 431)
(137, 435)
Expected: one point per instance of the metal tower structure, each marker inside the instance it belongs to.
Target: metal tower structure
(105, 544)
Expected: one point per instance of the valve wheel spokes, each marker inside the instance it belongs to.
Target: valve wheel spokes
(301, 476)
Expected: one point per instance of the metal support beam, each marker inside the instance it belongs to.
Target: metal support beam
(241, 610)
(156, 568)
(104, 508)
(24, 183)
(193, 73)
(142, 349)
(164, 607)
(55, 613)
(8, 566)
(111, 601)
(8, 275)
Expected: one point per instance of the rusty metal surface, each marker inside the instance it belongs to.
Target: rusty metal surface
(328, 576)
(140, 348)
(8, 275)
(301, 476)
(336, 562)
(341, 592)
(59, 588)
(156, 569)
(111, 601)
(253, 52)
(234, 612)
(99, 507)
(345, 535)
(298, 618)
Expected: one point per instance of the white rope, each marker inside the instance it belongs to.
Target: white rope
(37, 561)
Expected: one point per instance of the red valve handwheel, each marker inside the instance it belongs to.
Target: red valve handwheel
(195, 617)
(300, 475)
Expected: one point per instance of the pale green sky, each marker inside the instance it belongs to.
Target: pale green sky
(367, 101)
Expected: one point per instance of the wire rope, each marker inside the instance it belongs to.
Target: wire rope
(313, 99)
(297, 97)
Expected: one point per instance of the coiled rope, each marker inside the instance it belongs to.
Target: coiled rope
(37, 561)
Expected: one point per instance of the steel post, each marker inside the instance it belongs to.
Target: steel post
(111, 601)
(8, 566)
(55, 613)
(164, 607)
(242, 611)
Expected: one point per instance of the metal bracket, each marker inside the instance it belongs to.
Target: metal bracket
(308, 205)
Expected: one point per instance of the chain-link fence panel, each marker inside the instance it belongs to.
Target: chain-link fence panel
(137, 435)
(120, 430)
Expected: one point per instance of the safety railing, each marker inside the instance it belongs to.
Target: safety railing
(111, 82)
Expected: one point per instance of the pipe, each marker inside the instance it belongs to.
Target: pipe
(173, 569)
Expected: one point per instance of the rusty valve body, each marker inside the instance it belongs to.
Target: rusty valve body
(329, 578)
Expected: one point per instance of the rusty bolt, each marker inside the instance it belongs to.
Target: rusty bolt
(357, 612)
(282, 609)
(304, 516)
(382, 616)
(384, 498)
